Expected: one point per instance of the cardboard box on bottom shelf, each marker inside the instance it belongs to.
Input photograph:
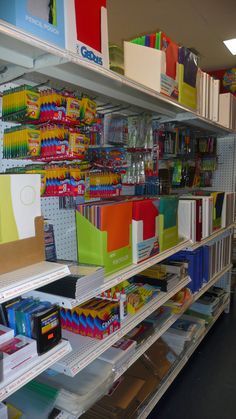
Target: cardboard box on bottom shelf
(135, 387)
(121, 401)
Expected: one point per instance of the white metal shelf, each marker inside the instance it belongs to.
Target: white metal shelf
(85, 349)
(146, 345)
(208, 239)
(134, 269)
(25, 54)
(168, 323)
(177, 368)
(210, 283)
(118, 277)
(15, 283)
(32, 369)
(165, 326)
(114, 279)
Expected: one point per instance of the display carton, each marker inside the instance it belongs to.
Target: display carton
(44, 18)
(86, 30)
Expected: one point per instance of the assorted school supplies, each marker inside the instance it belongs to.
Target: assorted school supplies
(34, 319)
(160, 58)
(25, 103)
(205, 262)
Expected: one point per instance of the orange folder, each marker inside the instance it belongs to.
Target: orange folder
(116, 220)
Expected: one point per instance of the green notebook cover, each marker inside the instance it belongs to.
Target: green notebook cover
(158, 40)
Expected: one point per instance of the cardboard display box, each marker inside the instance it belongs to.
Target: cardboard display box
(21, 253)
(42, 18)
(89, 41)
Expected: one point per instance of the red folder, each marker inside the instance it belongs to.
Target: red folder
(152, 40)
(145, 210)
(172, 53)
(198, 220)
(88, 22)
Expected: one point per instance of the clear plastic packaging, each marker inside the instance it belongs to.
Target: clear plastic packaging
(79, 393)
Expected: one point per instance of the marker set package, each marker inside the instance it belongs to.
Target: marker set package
(34, 319)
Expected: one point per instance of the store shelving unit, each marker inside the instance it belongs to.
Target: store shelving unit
(215, 234)
(29, 58)
(157, 334)
(120, 276)
(177, 368)
(116, 278)
(127, 273)
(32, 369)
(85, 350)
(15, 283)
(212, 282)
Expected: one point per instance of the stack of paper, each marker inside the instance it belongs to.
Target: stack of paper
(208, 305)
(227, 110)
(159, 277)
(87, 274)
(208, 96)
(119, 353)
(182, 332)
(84, 278)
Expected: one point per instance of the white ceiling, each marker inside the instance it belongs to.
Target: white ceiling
(199, 24)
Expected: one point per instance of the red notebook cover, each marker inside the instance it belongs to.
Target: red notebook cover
(152, 40)
(88, 22)
(172, 53)
(146, 211)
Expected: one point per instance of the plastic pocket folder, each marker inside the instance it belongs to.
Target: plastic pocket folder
(89, 34)
(168, 222)
(116, 220)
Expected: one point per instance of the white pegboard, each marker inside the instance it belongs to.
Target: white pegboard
(64, 228)
(224, 178)
(62, 220)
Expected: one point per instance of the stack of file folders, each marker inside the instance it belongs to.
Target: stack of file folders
(182, 332)
(208, 305)
(159, 277)
(119, 353)
(83, 278)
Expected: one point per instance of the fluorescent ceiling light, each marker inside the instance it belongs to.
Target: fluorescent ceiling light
(231, 45)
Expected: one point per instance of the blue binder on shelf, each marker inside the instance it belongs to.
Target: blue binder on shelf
(206, 255)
